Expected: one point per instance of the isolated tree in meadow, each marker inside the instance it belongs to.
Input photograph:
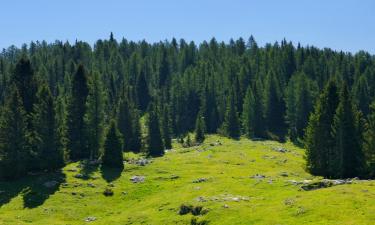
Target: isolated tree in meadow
(199, 129)
(76, 126)
(112, 155)
(14, 150)
(155, 145)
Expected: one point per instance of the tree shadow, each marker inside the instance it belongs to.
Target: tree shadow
(110, 174)
(35, 190)
(87, 168)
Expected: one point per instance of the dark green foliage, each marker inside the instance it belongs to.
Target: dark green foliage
(166, 129)
(13, 134)
(369, 144)
(49, 147)
(155, 145)
(76, 111)
(143, 96)
(128, 123)
(346, 157)
(199, 129)
(231, 126)
(26, 83)
(112, 155)
(274, 105)
(319, 140)
(95, 115)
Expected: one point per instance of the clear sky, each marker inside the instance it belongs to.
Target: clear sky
(347, 25)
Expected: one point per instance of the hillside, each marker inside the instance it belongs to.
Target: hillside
(236, 182)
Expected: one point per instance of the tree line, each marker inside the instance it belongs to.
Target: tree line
(63, 101)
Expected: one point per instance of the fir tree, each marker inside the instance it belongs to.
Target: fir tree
(154, 139)
(125, 123)
(166, 130)
(13, 137)
(112, 155)
(346, 158)
(143, 96)
(95, 115)
(136, 142)
(199, 129)
(369, 144)
(76, 126)
(231, 126)
(49, 148)
(319, 141)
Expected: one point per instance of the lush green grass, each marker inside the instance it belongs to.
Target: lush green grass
(228, 169)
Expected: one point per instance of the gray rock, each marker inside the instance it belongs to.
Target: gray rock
(280, 149)
(258, 176)
(200, 180)
(90, 219)
(137, 179)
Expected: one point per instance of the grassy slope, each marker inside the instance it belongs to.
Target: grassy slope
(156, 201)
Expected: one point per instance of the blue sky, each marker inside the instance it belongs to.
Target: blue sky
(347, 25)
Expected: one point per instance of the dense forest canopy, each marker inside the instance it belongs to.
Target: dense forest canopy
(66, 101)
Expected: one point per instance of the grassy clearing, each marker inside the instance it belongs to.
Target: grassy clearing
(228, 192)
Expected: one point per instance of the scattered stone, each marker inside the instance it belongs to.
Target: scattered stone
(200, 180)
(225, 206)
(80, 176)
(108, 192)
(280, 149)
(258, 176)
(284, 174)
(124, 193)
(142, 162)
(91, 185)
(90, 219)
(50, 184)
(72, 170)
(197, 188)
(289, 201)
(309, 185)
(137, 179)
(216, 143)
(201, 199)
(111, 185)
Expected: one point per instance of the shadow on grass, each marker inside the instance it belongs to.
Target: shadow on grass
(110, 174)
(87, 169)
(35, 189)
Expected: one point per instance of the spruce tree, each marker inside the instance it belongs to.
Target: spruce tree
(369, 144)
(166, 130)
(346, 158)
(14, 150)
(125, 123)
(154, 139)
(319, 141)
(76, 110)
(136, 142)
(199, 129)
(274, 105)
(231, 126)
(112, 155)
(142, 91)
(95, 115)
(50, 153)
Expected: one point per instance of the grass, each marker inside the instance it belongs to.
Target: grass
(228, 194)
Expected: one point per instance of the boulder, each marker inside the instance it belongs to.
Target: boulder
(137, 179)
(90, 219)
(200, 180)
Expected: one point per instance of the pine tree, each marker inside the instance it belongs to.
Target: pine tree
(199, 129)
(112, 155)
(319, 141)
(50, 154)
(369, 144)
(166, 130)
(231, 126)
(125, 123)
(95, 115)
(76, 126)
(346, 159)
(274, 105)
(136, 142)
(13, 141)
(143, 95)
(154, 140)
